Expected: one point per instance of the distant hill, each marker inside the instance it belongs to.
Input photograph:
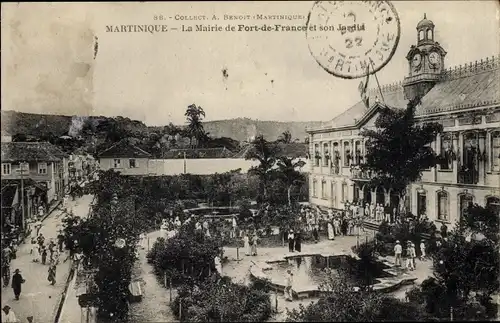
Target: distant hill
(240, 129)
(243, 128)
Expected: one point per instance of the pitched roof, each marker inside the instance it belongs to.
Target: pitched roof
(124, 149)
(470, 86)
(30, 151)
(463, 88)
(199, 153)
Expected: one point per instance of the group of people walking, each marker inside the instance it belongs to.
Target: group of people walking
(409, 253)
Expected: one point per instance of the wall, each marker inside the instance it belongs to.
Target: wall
(202, 166)
(480, 194)
(142, 166)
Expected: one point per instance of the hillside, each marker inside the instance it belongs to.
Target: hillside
(243, 128)
(240, 129)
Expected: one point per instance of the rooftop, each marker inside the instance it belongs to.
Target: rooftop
(461, 87)
(199, 153)
(31, 151)
(124, 149)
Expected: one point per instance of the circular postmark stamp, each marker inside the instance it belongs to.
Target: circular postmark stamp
(352, 38)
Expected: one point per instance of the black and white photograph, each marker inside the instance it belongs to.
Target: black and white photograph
(250, 161)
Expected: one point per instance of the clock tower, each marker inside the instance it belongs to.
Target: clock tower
(425, 62)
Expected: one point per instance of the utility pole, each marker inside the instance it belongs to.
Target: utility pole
(184, 162)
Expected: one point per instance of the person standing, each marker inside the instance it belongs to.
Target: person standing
(288, 286)
(17, 281)
(413, 255)
(298, 241)
(246, 243)
(291, 240)
(44, 254)
(52, 274)
(398, 250)
(387, 212)
(254, 243)
(422, 250)
(218, 265)
(331, 229)
(316, 233)
(60, 240)
(235, 227)
(8, 316)
(409, 262)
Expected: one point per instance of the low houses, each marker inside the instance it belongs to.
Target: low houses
(37, 170)
(126, 158)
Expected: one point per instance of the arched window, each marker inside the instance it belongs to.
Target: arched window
(317, 155)
(314, 188)
(442, 206)
(323, 189)
(326, 154)
(493, 203)
(344, 192)
(347, 154)
(421, 35)
(334, 194)
(429, 34)
(495, 151)
(465, 200)
(358, 152)
(447, 151)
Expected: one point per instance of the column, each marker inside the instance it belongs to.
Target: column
(330, 148)
(352, 152)
(311, 153)
(341, 151)
(433, 169)
(322, 154)
(482, 161)
(489, 152)
(374, 197)
(458, 150)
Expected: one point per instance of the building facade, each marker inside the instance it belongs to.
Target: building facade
(41, 179)
(125, 158)
(464, 99)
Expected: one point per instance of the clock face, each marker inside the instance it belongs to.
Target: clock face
(434, 58)
(417, 59)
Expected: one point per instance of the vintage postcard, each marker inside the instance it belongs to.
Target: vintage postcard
(257, 161)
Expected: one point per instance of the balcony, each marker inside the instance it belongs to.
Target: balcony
(359, 174)
(467, 176)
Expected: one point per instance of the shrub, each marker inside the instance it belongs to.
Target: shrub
(340, 303)
(219, 299)
(187, 256)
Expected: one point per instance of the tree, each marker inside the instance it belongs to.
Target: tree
(265, 153)
(341, 303)
(195, 115)
(399, 149)
(287, 170)
(467, 263)
(285, 137)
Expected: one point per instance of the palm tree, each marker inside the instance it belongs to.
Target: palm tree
(265, 153)
(288, 171)
(285, 137)
(195, 115)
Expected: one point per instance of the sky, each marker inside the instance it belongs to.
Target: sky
(48, 63)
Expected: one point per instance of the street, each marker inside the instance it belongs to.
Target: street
(38, 298)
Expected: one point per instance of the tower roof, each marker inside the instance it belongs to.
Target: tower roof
(425, 22)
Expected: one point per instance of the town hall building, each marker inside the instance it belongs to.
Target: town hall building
(465, 99)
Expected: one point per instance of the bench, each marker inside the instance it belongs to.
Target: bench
(135, 292)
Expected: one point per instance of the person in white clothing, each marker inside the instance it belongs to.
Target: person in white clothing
(422, 250)
(218, 265)
(398, 250)
(235, 226)
(288, 285)
(246, 244)
(8, 315)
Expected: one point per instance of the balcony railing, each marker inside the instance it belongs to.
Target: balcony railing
(357, 173)
(467, 176)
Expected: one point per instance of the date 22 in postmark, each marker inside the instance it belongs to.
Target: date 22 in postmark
(349, 39)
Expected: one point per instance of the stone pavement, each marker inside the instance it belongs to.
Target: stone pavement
(38, 297)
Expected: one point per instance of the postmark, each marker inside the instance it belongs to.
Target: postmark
(349, 38)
